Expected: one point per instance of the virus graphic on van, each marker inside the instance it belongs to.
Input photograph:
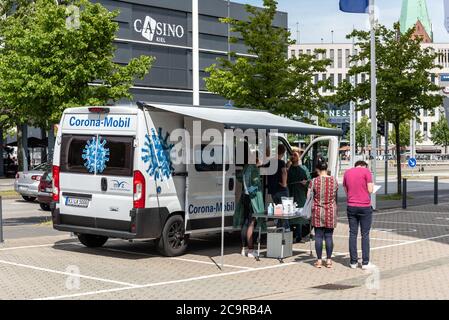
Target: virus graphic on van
(156, 154)
(95, 155)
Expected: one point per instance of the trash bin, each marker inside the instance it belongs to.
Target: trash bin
(274, 244)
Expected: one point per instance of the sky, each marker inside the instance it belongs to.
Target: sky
(317, 18)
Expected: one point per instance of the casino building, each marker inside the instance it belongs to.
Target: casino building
(184, 42)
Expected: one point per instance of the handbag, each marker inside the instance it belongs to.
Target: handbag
(306, 211)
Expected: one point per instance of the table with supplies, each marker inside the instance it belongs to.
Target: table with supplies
(285, 239)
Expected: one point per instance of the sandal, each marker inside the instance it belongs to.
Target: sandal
(318, 264)
(329, 264)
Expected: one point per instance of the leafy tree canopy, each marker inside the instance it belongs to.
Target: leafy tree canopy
(267, 79)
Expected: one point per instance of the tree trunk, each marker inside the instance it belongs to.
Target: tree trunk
(398, 156)
(22, 147)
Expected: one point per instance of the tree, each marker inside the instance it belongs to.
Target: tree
(440, 133)
(49, 61)
(404, 83)
(268, 80)
(404, 135)
(363, 132)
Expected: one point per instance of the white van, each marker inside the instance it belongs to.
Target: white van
(114, 174)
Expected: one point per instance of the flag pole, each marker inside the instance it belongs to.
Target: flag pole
(352, 119)
(373, 98)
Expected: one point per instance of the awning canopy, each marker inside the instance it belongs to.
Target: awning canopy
(235, 118)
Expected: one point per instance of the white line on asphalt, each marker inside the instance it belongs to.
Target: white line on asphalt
(371, 238)
(410, 242)
(217, 275)
(220, 274)
(414, 223)
(67, 273)
(171, 258)
(36, 246)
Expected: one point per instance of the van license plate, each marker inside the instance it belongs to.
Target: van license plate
(77, 202)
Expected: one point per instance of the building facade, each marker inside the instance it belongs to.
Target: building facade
(340, 54)
(165, 30)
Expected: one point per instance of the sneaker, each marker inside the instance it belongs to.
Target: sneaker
(244, 252)
(252, 254)
(353, 266)
(368, 266)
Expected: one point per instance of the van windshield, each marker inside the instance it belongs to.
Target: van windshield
(101, 155)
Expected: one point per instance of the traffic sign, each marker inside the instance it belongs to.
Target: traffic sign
(412, 162)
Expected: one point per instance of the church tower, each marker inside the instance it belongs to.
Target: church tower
(414, 14)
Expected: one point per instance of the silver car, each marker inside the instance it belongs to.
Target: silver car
(27, 183)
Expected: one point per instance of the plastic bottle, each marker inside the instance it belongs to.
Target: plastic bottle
(270, 209)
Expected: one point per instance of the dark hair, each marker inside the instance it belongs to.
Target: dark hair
(281, 149)
(361, 163)
(321, 165)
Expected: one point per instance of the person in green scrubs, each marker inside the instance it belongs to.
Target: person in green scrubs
(298, 183)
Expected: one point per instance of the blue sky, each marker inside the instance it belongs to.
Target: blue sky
(318, 17)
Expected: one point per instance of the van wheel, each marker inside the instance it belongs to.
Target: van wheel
(173, 241)
(92, 241)
(44, 206)
(29, 199)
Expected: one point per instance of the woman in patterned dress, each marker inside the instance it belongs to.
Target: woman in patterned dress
(324, 212)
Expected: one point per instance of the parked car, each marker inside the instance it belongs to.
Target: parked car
(26, 183)
(45, 190)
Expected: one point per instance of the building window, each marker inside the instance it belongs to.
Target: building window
(340, 78)
(332, 57)
(348, 58)
(309, 52)
(340, 58)
(293, 53)
(301, 51)
(332, 77)
(425, 113)
(316, 79)
(363, 78)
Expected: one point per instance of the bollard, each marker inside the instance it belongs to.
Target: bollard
(1, 221)
(404, 193)
(435, 190)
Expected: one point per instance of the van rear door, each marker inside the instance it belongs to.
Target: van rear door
(96, 180)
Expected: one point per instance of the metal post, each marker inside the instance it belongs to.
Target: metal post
(195, 53)
(435, 190)
(223, 198)
(1, 221)
(386, 157)
(404, 193)
(373, 98)
(352, 122)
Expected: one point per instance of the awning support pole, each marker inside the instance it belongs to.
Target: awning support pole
(223, 199)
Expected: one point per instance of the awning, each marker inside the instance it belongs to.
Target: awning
(235, 118)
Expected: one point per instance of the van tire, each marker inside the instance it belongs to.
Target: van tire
(173, 241)
(29, 199)
(91, 240)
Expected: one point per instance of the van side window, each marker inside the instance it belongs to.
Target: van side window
(120, 157)
(202, 166)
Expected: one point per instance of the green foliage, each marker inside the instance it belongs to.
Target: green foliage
(404, 85)
(440, 133)
(48, 63)
(268, 80)
(404, 135)
(363, 132)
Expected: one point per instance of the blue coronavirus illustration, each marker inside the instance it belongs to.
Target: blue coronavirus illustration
(156, 153)
(95, 155)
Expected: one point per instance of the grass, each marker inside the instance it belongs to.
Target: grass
(394, 196)
(6, 193)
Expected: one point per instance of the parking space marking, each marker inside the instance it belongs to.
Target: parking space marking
(410, 242)
(371, 238)
(216, 275)
(414, 223)
(171, 258)
(36, 246)
(67, 273)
